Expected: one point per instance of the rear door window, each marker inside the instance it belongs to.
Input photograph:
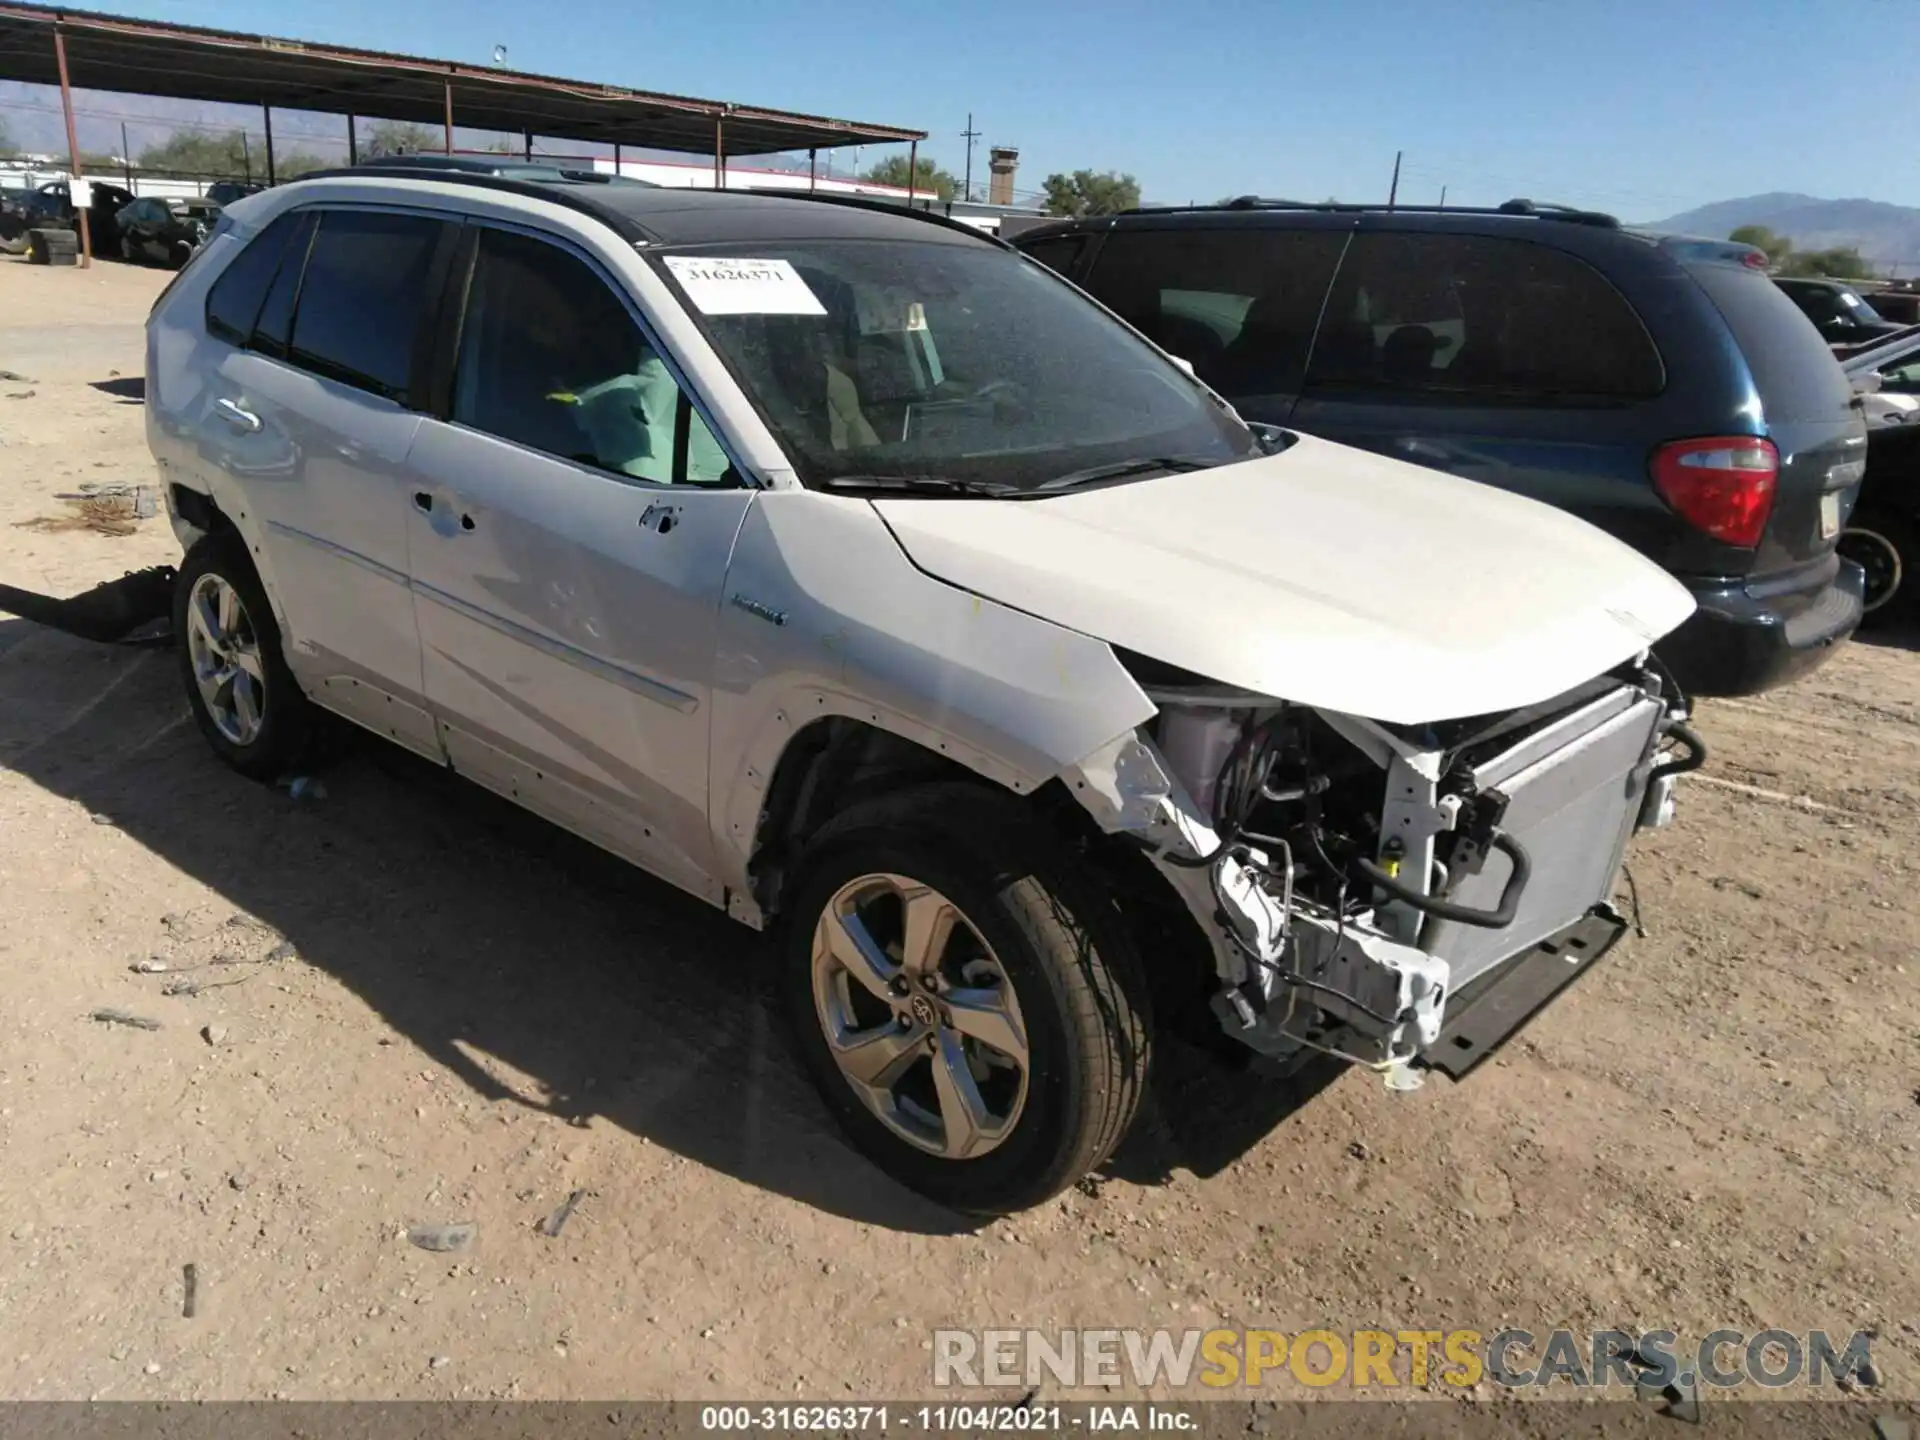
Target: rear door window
(1239, 304)
(362, 298)
(1480, 319)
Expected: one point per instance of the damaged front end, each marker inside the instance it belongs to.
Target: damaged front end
(1364, 886)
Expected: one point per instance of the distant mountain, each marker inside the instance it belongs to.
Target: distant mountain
(1888, 235)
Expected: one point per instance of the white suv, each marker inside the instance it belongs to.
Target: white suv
(855, 573)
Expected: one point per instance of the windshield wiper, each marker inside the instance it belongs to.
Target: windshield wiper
(919, 485)
(1119, 470)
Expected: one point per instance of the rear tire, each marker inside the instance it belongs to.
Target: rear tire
(244, 699)
(1885, 548)
(992, 1068)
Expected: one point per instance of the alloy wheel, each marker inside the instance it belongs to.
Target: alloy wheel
(920, 1016)
(227, 666)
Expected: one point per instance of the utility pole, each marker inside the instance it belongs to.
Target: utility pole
(1393, 191)
(126, 158)
(969, 135)
(1443, 197)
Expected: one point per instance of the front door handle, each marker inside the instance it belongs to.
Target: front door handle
(660, 517)
(237, 415)
(423, 502)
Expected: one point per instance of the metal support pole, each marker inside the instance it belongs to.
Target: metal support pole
(126, 160)
(527, 136)
(353, 141)
(73, 144)
(618, 165)
(1393, 191)
(267, 111)
(813, 156)
(246, 156)
(913, 169)
(449, 115)
(719, 152)
(970, 134)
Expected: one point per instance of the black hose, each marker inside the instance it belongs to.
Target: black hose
(1497, 919)
(1695, 757)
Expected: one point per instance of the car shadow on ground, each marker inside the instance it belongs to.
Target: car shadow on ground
(500, 945)
(1896, 632)
(132, 389)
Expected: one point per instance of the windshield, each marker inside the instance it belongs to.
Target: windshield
(902, 360)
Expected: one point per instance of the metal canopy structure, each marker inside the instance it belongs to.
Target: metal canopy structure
(146, 57)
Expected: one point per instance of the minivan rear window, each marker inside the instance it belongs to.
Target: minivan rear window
(1794, 371)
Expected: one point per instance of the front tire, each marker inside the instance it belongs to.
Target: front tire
(243, 697)
(965, 997)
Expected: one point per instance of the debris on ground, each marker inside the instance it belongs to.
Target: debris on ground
(552, 1224)
(187, 989)
(214, 1034)
(285, 950)
(17, 378)
(108, 1015)
(240, 1180)
(442, 1239)
(152, 965)
(21, 394)
(190, 1303)
(304, 787)
(110, 613)
(115, 511)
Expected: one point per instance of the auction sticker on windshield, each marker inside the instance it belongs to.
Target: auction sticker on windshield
(743, 287)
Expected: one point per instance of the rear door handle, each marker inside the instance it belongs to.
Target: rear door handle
(237, 415)
(423, 502)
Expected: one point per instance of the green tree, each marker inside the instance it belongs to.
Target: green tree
(1086, 192)
(1776, 247)
(297, 163)
(1843, 262)
(392, 137)
(927, 175)
(219, 156)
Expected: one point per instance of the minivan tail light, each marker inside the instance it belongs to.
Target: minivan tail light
(1722, 485)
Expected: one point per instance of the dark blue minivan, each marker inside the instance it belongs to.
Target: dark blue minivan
(1662, 388)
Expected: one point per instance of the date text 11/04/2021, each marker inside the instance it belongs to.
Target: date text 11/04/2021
(942, 1419)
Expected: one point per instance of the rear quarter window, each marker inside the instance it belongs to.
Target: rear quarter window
(233, 303)
(1792, 368)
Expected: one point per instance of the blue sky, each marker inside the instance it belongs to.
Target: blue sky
(1639, 107)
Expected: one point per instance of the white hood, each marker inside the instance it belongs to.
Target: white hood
(1324, 575)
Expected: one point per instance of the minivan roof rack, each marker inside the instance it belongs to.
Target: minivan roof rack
(1540, 210)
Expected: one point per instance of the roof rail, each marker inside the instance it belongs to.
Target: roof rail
(1537, 210)
(571, 193)
(869, 202)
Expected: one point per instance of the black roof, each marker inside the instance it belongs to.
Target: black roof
(151, 57)
(663, 215)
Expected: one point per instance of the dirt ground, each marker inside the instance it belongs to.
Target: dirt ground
(477, 1017)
